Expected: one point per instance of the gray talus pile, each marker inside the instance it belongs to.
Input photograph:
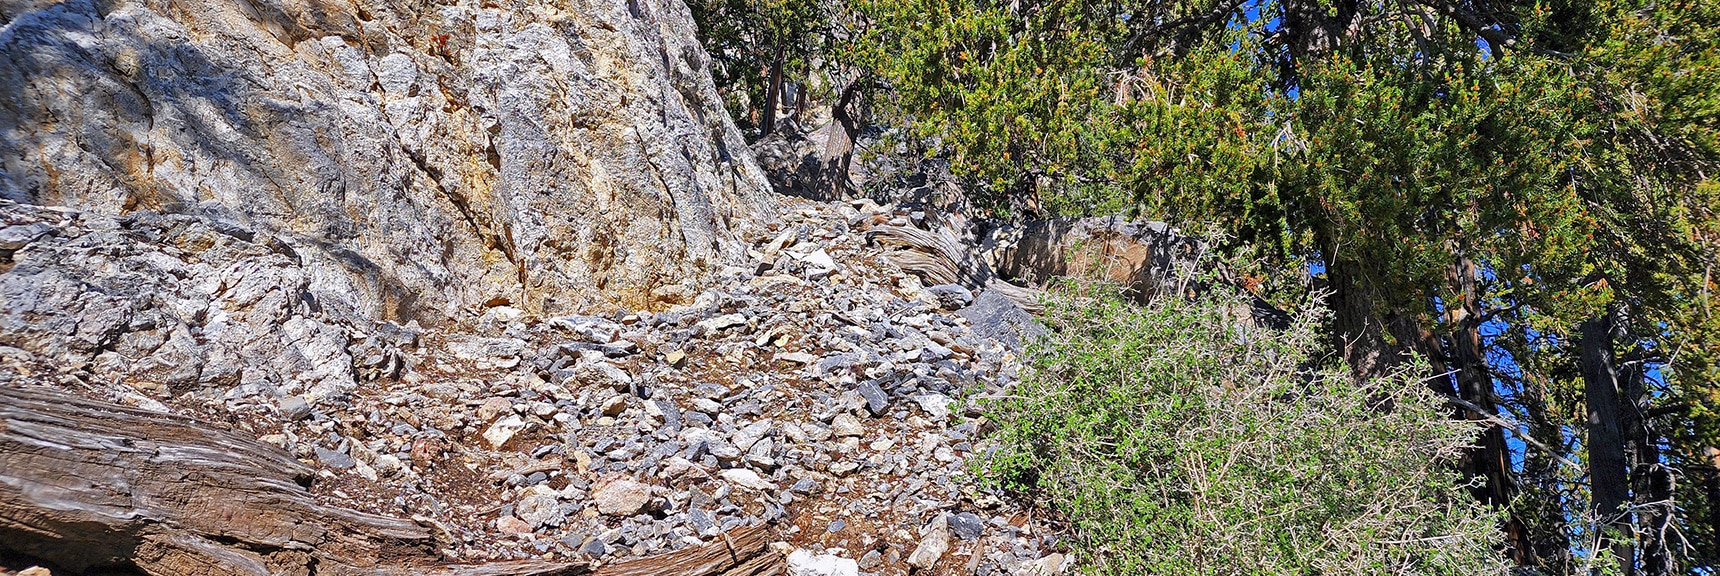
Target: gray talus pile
(417, 158)
(815, 387)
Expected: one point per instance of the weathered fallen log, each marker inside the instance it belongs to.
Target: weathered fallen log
(742, 552)
(1145, 258)
(939, 257)
(87, 484)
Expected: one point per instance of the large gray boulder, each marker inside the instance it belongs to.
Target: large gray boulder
(422, 159)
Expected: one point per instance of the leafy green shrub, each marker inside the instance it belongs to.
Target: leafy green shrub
(1175, 438)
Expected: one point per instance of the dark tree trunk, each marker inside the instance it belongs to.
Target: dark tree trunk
(1374, 341)
(1651, 482)
(1488, 458)
(772, 93)
(836, 151)
(1361, 337)
(1608, 475)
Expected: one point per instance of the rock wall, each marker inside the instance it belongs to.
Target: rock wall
(421, 158)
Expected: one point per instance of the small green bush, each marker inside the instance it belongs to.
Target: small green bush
(1175, 438)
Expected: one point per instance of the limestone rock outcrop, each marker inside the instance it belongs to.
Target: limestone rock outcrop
(175, 302)
(421, 159)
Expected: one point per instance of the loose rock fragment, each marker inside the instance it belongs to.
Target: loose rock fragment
(803, 563)
(492, 407)
(293, 408)
(1048, 566)
(334, 459)
(747, 479)
(951, 296)
(614, 405)
(537, 510)
(932, 545)
(967, 525)
(503, 431)
(845, 425)
(797, 357)
(621, 497)
(722, 322)
(512, 525)
(877, 402)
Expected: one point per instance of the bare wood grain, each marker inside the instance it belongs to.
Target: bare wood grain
(86, 484)
(744, 552)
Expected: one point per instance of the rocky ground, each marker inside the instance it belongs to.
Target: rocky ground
(817, 388)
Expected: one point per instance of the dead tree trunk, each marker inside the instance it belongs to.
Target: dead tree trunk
(87, 484)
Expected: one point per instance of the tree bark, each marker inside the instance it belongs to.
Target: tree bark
(743, 552)
(1607, 466)
(772, 93)
(1651, 482)
(1361, 335)
(836, 151)
(1488, 458)
(91, 485)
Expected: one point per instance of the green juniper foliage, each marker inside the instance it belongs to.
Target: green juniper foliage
(1475, 181)
(1177, 439)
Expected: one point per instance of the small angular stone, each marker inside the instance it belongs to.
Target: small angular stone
(621, 497)
(803, 563)
(951, 296)
(846, 425)
(538, 510)
(871, 560)
(702, 522)
(877, 402)
(334, 459)
(746, 437)
(967, 525)
(932, 545)
(494, 406)
(503, 431)
(293, 408)
(936, 405)
(512, 525)
(722, 322)
(615, 405)
(747, 479)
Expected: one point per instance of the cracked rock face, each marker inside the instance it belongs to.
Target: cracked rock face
(420, 159)
(170, 302)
